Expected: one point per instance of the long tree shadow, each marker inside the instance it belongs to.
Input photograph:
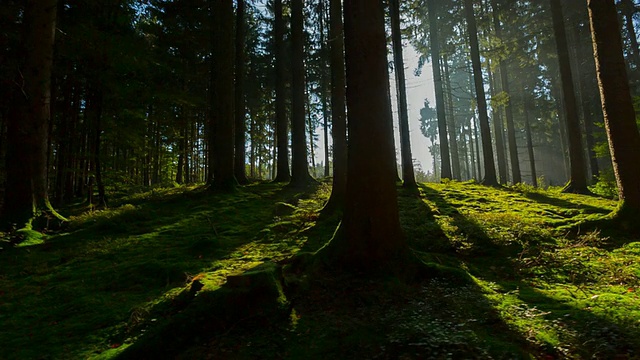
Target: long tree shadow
(105, 275)
(561, 328)
(347, 316)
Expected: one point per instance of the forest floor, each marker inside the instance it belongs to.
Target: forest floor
(535, 286)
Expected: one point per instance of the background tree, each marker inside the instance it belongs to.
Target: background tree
(445, 171)
(408, 176)
(578, 180)
(487, 150)
(282, 137)
(299, 163)
(239, 100)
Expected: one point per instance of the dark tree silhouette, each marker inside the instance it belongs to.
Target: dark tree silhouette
(26, 195)
(408, 176)
(485, 132)
(299, 162)
(282, 133)
(369, 237)
(338, 109)
(445, 162)
(577, 178)
(223, 173)
(240, 110)
(617, 105)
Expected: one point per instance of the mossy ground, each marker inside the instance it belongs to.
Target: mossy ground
(538, 287)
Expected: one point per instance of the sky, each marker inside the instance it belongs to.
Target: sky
(419, 88)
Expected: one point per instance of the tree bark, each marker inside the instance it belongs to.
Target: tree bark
(369, 238)
(527, 129)
(338, 110)
(240, 108)
(408, 177)
(617, 105)
(223, 173)
(511, 132)
(451, 123)
(578, 178)
(485, 132)
(445, 162)
(498, 131)
(26, 195)
(283, 173)
(299, 163)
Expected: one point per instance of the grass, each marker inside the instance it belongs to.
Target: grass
(538, 287)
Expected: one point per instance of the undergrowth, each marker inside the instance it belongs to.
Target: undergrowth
(537, 290)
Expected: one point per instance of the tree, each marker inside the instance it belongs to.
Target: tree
(578, 178)
(405, 142)
(338, 111)
(511, 132)
(617, 105)
(240, 109)
(282, 133)
(485, 132)
(26, 194)
(223, 173)
(369, 237)
(445, 172)
(299, 162)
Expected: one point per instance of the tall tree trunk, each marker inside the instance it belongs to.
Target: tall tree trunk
(578, 180)
(401, 90)
(504, 78)
(584, 86)
(451, 122)
(26, 195)
(369, 238)
(445, 162)
(323, 86)
(299, 163)
(94, 110)
(617, 105)
(283, 173)
(240, 108)
(487, 150)
(498, 131)
(223, 173)
(338, 110)
(527, 129)
(311, 129)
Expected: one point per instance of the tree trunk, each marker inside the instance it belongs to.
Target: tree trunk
(451, 123)
(282, 127)
(617, 105)
(223, 173)
(299, 164)
(26, 195)
(498, 131)
(511, 132)
(94, 110)
(445, 162)
(369, 238)
(578, 179)
(323, 86)
(487, 150)
(527, 129)
(401, 89)
(338, 110)
(240, 108)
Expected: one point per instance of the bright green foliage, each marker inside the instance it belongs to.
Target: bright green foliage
(511, 278)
